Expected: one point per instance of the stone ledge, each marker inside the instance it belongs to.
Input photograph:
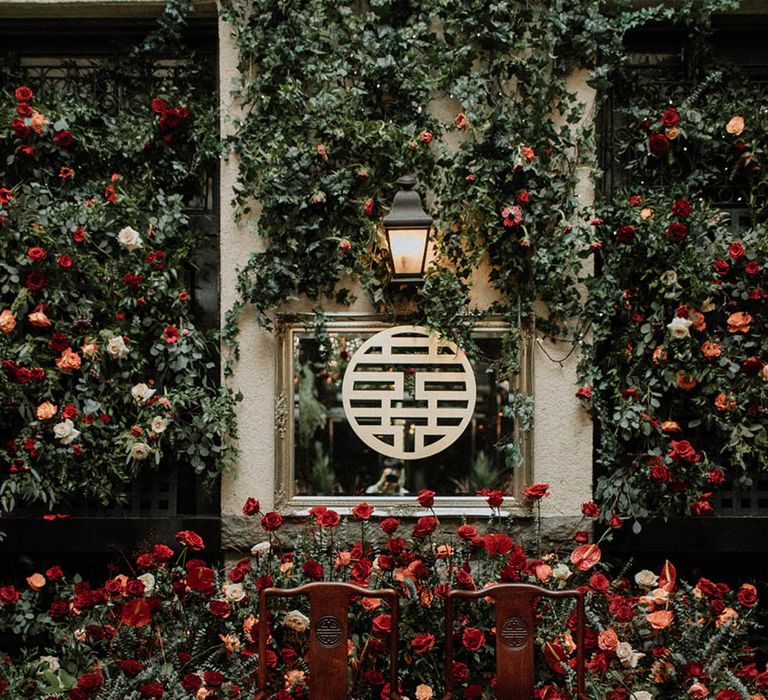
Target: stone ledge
(47, 9)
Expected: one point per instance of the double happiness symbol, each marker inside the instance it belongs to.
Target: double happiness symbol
(407, 393)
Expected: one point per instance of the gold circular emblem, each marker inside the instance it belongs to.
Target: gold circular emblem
(407, 393)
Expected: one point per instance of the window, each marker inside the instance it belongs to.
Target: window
(321, 459)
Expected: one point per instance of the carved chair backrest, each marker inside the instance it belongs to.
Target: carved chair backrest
(328, 634)
(515, 605)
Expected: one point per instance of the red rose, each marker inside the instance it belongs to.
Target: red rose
(472, 638)
(134, 587)
(78, 236)
(599, 582)
(137, 613)
(536, 492)
(23, 94)
(658, 143)
(670, 117)
(23, 110)
(368, 206)
(25, 152)
(728, 694)
(55, 573)
(625, 234)
(90, 682)
(191, 682)
(660, 473)
(131, 667)
(63, 139)
(459, 672)
(251, 506)
(424, 526)
(747, 595)
(200, 578)
(721, 267)
(271, 521)
(190, 539)
(425, 136)
(751, 268)
(584, 392)
(736, 250)
(426, 498)
(494, 498)
(676, 232)
(9, 595)
(313, 569)
(152, 690)
(219, 608)
(682, 207)
(702, 507)
(328, 519)
(20, 128)
(497, 543)
(158, 105)
(363, 511)
(213, 679)
(466, 532)
(590, 509)
(381, 624)
(389, 525)
(65, 262)
(682, 451)
(422, 642)
(36, 281)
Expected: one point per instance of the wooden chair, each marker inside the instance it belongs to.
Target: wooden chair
(328, 633)
(515, 636)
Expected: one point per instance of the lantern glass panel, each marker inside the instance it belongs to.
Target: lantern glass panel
(408, 248)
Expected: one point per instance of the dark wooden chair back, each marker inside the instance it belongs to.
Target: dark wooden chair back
(328, 634)
(515, 637)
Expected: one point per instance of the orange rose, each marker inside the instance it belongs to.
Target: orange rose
(443, 551)
(710, 350)
(697, 320)
(685, 381)
(661, 619)
(739, 322)
(607, 640)
(670, 426)
(7, 321)
(735, 126)
(90, 349)
(659, 355)
(69, 361)
(39, 319)
(38, 121)
(46, 410)
(725, 402)
(370, 603)
(646, 213)
(36, 581)
(672, 133)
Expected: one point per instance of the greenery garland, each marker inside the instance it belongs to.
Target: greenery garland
(104, 370)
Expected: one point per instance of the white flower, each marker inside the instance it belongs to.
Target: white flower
(561, 572)
(159, 424)
(678, 328)
(669, 278)
(627, 655)
(149, 582)
(117, 348)
(65, 432)
(129, 238)
(708, 305)
(234, 592)
(52, 663)
(141, 392)
(296, 621)
(260, 548)
(641, 695)
(764, 373)
(646, 579)
(140, 450)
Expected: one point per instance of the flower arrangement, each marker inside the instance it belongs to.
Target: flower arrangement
(168, 624)
(103, 368)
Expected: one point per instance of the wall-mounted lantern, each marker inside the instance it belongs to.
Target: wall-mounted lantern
(407, 226)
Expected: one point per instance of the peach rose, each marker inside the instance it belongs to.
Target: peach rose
(38, 122)
(7, 321)
(46, 410)
(370, 603)
(725, 402)
(608, 640)
(39, 319)
(69, 360)
(685, 381)
(697, 320)
(727, 615)
(423, 692)
(646, 213)
(739, 322)
(735, 126)
(443, 551)
(672, 133)
(710, 350)
(660, 355)
(90, 348)
(36, 581)
(670, 426)
(661, 619)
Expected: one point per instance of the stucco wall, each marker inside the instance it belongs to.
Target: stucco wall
(562, 439)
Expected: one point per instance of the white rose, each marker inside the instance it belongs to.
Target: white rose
(129, 238)
(141, 392)
(641, 695)
(159, 424)
(764, 373)
(260, 548)
(234, 592)
(52, 663)
(646, 579)
(149, 582)
(117, 348)
(561, 572)
(140, 450)
(669, 278)
(679, 327)
(65, 432)
(296, 621)
(627, 655)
